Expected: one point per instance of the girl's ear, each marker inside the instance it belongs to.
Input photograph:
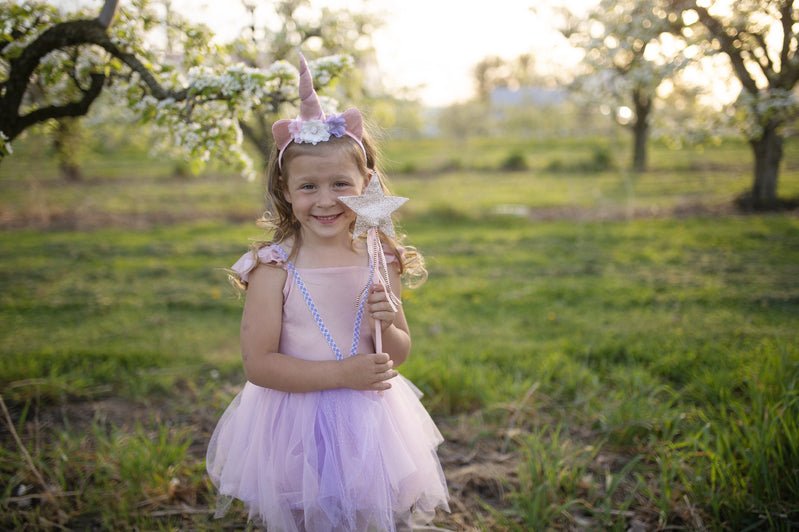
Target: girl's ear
(365, 183)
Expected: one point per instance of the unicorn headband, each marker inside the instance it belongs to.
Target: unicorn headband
(312, 126)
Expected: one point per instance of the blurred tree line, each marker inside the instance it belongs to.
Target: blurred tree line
(653, 68)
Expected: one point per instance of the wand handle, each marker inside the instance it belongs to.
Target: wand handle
(379, 344)
(378, 337)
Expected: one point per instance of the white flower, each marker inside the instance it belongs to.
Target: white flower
(312, 131)
(5, 146)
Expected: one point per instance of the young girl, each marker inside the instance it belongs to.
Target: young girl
(325, 435)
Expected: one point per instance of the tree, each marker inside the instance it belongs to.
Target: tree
(761, 40)
(493, 72)
(52, 69)
(629, 51)
(464, 120)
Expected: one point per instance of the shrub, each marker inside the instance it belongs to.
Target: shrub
(515, 161)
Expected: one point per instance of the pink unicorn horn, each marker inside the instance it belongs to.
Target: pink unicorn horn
(310, 108)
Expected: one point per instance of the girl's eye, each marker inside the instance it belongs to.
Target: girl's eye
(306, 186)
(342, 184)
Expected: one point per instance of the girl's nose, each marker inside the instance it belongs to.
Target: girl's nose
(328, 198)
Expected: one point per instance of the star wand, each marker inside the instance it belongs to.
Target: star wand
(373, 210)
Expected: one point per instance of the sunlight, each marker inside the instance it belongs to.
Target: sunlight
(624, 115)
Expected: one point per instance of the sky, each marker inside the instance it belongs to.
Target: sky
(430, 45)
(435, 45)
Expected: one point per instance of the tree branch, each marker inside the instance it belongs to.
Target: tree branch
(63, 35)
(768, 69)
(78, 108)
(15, 34)
(59, 36)
(789, 67)
(21, 68)
(107, 14)
(73, 73)
(727, 43)
(156, 89)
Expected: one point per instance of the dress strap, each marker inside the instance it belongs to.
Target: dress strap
(356, 333)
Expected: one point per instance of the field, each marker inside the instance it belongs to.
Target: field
(602, 350)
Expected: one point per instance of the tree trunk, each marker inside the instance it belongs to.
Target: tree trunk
(68, 142)
(768, 155)
(640, 134)
(640, 129)
(260, 137)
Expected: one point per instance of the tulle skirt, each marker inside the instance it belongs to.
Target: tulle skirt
(329, 460)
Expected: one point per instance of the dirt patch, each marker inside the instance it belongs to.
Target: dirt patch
(51, 219)
(479, 476)
(617, 213)
(87, 221)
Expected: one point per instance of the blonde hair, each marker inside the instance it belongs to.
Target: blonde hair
(279, 220)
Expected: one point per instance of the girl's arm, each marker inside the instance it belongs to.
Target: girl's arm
(396, 335)
(264, 366)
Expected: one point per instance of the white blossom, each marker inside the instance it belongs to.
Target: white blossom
(754, 111)
(204, 127)
(5, 146)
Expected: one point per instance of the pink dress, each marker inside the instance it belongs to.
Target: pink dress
(334, 459)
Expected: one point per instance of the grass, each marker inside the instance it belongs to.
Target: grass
(673, 340)
(83, 309)
(637, 368)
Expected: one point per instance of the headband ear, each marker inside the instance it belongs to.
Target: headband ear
(354, 123)
(280, 130)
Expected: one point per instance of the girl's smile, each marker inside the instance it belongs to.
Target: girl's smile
(327, 219)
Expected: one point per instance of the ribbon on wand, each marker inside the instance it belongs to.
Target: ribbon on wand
(373, 209)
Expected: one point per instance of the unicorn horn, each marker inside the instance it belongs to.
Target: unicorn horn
(310, 108)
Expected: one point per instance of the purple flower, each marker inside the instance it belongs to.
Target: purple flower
(336, 125)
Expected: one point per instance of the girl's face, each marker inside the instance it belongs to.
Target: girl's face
(314, 182)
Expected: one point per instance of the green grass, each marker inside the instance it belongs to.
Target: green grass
(674, 339)
(638, 368)
(687, 283)
(85, 309)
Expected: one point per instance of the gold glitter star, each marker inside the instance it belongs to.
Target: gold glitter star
(373, 208)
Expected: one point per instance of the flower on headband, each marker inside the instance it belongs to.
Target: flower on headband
(336, 125)
(311, 131)
(314, 131)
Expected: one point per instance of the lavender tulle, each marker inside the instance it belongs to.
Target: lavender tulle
(329, 460)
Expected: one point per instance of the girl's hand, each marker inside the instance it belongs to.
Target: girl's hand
(378, 307)
(367, 371)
